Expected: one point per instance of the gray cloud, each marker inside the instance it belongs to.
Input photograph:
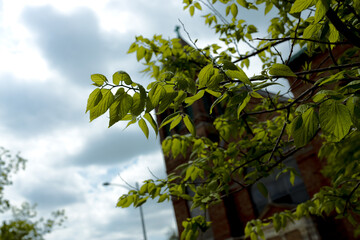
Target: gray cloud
(115, 147)
(29, 109)
(52, 198)
(73, 43)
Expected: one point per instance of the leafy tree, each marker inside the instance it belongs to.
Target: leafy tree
(327, 108)
(23, 225)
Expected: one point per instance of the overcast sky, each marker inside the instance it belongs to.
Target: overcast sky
(48, 50)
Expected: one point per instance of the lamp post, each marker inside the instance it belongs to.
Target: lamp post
(141, 211)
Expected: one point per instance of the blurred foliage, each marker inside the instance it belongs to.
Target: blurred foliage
(24, 224)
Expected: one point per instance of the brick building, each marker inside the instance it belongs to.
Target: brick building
(230, 216)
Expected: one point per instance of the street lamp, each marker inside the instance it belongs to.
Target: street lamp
(141, 211)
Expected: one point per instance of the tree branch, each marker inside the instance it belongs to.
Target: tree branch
(342, 28)
(302, 39)
(260, 50)
(329, 68)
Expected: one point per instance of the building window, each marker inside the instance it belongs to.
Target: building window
(280, 190)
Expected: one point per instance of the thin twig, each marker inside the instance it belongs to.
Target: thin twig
(282, 60)
(130, 186)
(293, 151)
(157, 178)
(293, 43)
(302, 39)
(329, 68)
(309, 90)
(277, 142)
(190, 39)
(260, 50)
(331, 55)
(350, 195)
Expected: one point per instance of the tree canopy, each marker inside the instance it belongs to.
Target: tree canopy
(260, 130)
(23, 223)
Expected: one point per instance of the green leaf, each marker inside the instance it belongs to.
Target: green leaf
(175, 147)
(143, 189)
(192, 99)
(197, 5)
(144, 127)
(243, 104)
(320, 96)
(141, 202)
(353, 104)
(176, 121)
(281, 70)
(238, 74)
(237, 99)
(138, 104)
(156, 93)
(269, 6)
(140, 53)
(256, 95)
(169, 119)
(132, 48)
(228, 65)
(152, 122)
(189, 125)
(98, 79)
(234, 10)
(163, 197)
(262, 189)
(104, 104)
(132, 120)
(215, 80)
(227, 11)
(214, 93)
(292, 178)
(121, 76)
(334, 34)
(94, 98)
(310, 30)
(125, 202)
(166, 146)
(192, 10)
(120, 107)
(300, 5)
(302, 108)
(320, 10)
(205, 75)
(125, 105)
(242, 3)
(335, 119)
(217, 101)
(114, 113)
(188, 172)
(166, 100)
(354, 85)
(304, 127)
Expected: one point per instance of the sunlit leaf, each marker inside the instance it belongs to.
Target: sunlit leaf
(300, 5)
(281, 70)
(121, 76)
(152, 122)
(144, 127)
(304, 127)
(103, 105)
(189, 124)
(98, 79)
(335, 119)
